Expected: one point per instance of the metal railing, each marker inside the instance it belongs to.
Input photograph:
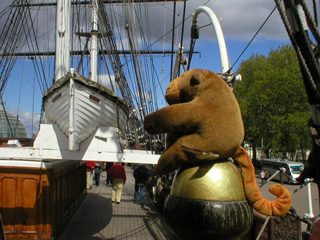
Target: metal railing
(306, 217)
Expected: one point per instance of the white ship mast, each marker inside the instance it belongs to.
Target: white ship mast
(94, 42)
(62, 65)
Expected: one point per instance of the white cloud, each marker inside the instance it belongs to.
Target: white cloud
(240, 20)
(106, 80)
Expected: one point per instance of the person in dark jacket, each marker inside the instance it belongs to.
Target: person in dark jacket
(97, 172)
(109, 180)
(141, 174)
(118, 175)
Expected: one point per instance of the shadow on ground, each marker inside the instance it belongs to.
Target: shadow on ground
(92, 221)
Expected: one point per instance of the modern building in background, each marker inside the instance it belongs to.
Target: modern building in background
(12, 128)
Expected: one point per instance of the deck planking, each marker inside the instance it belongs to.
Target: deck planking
(99, 218)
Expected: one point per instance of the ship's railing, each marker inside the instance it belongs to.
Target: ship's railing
(307, 216)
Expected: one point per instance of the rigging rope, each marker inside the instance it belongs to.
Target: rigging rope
(306, 49)
(110, 43)
(42, 78)
(32, 117)
(19, 98)
(120, 77)
(4, 11)
(251, 40)
(149, 70)
(8, 44)
(310, 72)
(310, 85)
(315, 15)
(311, 22)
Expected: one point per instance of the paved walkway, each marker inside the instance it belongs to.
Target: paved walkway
(98, 218)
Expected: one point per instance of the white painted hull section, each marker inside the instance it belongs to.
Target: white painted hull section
(51, 144)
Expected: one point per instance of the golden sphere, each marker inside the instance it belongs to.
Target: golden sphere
(218, 180)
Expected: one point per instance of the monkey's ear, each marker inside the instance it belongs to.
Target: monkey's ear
(195, 79)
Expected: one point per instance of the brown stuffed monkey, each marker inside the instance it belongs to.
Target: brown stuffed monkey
(203, 122)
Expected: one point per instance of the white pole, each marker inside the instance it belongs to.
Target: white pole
(310, 214)
(73, 146)
(224, 59)
(62, 63)
(94, 43)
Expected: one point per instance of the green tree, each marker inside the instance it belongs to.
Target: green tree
(273, 102)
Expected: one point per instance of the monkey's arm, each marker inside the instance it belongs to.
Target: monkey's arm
(174, 118)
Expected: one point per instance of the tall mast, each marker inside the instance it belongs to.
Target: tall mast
(62, 64)
(94, 42)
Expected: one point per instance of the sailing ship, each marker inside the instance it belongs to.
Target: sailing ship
(89, 115)
(82, 119)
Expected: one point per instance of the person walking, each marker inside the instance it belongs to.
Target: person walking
(262, 176)
(140, 174)
(97, 172)
(118, 175)
(109, 180)
(90, 166)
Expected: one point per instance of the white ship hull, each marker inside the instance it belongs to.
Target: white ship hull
(78, 106)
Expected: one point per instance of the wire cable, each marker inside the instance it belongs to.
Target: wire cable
(251, 40)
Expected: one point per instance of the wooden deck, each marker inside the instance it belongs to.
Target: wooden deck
(98, 218)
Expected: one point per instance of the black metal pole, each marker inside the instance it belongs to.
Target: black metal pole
(173, 27)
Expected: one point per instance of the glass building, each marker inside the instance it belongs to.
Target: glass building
(10, 125)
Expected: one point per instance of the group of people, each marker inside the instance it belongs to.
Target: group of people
(93, 169)
(116, 178)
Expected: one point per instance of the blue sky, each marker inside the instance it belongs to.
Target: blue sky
(239, 21)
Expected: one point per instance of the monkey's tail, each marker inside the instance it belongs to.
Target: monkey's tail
(277, 207)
